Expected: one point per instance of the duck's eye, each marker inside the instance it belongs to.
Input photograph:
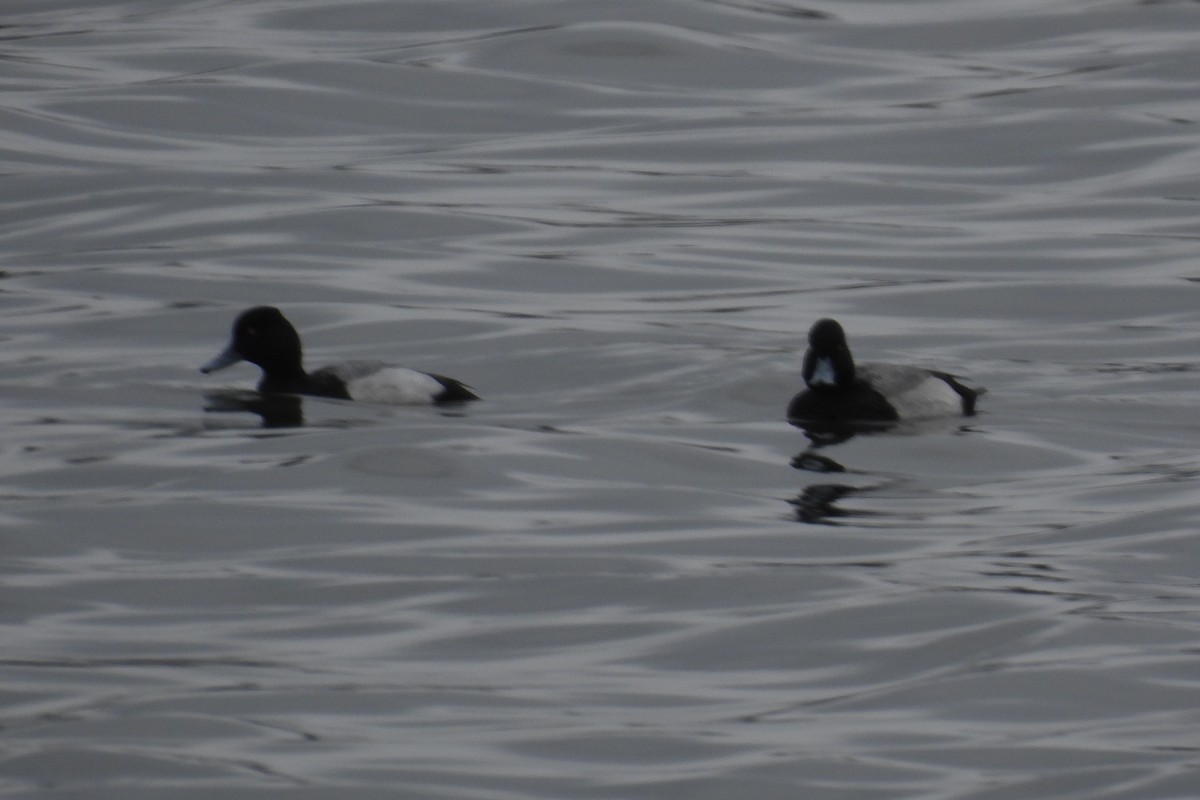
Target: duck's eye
(252, 331)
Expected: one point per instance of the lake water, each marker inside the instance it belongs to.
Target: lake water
(612, 579)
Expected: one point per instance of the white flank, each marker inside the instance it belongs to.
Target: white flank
(395, 386)
(915, 393)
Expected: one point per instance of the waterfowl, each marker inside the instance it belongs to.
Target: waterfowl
(838, 390)
(264, 337)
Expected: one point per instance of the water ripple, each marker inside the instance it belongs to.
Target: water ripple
(622, 574)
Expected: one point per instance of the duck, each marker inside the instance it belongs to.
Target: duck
(263, 336)
(838, 390)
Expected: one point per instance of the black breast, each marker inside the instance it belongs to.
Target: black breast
(837, 404)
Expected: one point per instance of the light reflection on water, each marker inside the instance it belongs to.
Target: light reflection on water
(622, 574)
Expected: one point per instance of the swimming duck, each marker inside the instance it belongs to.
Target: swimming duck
(264, 337)
(840, 391)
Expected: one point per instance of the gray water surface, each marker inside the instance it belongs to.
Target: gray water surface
(612, 578)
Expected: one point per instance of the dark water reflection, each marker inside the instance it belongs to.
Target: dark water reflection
(616, 220)
(274, 410)
(819, 503)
